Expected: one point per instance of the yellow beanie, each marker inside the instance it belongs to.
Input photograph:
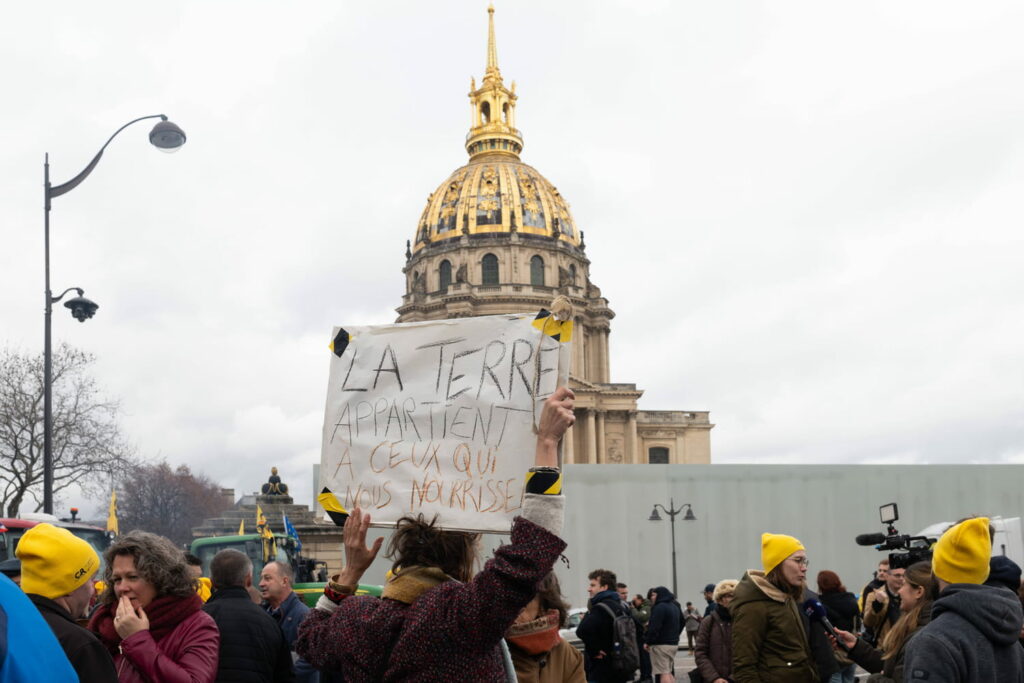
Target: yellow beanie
(963, 552)
(777, 547)
(54, 562)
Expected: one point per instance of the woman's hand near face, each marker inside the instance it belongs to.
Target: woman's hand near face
(127, 621)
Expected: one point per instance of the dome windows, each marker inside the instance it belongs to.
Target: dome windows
(444, 275)
(485, 112)
(537, 271)
(489, 269)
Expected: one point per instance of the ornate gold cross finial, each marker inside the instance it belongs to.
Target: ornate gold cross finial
(493, 128)
(492, 71)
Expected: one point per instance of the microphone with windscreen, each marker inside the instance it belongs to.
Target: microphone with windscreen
(871, 539)
(816, 611)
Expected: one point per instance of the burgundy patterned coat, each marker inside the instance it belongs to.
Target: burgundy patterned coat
(450, 633)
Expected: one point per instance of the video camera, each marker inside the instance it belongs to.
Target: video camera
(903, 550)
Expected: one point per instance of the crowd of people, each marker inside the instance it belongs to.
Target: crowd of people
(954, 617)
(152, 616)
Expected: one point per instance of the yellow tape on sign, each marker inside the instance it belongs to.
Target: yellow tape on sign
(560, 331)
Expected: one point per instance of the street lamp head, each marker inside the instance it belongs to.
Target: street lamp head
(655, 517)
(689, 516)
(167, 137)
(81, 308)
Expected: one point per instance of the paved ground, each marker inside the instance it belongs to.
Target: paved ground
(684, 662)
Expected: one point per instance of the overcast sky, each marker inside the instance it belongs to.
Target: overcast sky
(807, 216)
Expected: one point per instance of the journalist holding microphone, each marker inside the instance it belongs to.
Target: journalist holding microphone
(886, 664)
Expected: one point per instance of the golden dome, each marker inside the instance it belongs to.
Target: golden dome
(495, 192)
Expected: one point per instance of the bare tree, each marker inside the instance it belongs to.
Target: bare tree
(88, 448)
(165, 501)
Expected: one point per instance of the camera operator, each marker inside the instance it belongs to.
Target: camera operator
(876, 582)
(882, 606)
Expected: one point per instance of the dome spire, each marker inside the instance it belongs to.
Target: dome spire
(492, 129)
(492, 73)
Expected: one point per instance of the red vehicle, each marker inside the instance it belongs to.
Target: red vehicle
(95, 536)
(15, 528)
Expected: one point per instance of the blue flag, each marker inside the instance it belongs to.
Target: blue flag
(290, 530)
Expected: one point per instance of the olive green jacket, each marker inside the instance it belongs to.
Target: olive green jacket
(769, 639)
(641, 613)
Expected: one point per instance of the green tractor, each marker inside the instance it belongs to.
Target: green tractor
(284, 551)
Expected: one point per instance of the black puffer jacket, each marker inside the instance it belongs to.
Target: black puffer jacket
(666, 622)
(252, 646)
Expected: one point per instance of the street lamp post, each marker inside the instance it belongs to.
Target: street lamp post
(165, 136)
(672, 511)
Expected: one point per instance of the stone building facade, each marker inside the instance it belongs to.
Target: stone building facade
(497, 237)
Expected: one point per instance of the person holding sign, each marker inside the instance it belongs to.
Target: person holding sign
(435, 621)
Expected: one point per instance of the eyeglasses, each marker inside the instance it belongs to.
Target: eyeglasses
(802, 561)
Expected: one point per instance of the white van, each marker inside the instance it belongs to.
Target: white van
(1008, 540)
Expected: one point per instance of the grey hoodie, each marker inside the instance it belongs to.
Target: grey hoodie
(972, 638)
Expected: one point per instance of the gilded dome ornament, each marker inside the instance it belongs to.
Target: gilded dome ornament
(495, 192)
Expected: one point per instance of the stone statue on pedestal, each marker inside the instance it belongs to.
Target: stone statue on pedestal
(274, 486)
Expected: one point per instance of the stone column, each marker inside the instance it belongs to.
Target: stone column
(602, 452)
(591, 438)
(632, 442)
(578, 367)
(605, 370)
(680, 455)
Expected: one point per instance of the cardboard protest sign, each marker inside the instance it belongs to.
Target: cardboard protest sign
(438, 417)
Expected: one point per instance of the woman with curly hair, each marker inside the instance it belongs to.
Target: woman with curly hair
(435, 620)
(917, 593)
(713, 654)
(150, 618)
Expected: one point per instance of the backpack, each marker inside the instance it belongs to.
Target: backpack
(625, 656)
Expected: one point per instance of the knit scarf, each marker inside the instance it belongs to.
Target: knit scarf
(410, 583)
(537, 636)
(164, 615)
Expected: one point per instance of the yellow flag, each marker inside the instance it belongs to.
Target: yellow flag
(262, 527)
(112, 514)
(241, 528)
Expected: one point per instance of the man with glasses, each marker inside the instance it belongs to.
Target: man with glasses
(882, 606)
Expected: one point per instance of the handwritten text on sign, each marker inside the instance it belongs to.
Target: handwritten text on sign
(437, 417)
